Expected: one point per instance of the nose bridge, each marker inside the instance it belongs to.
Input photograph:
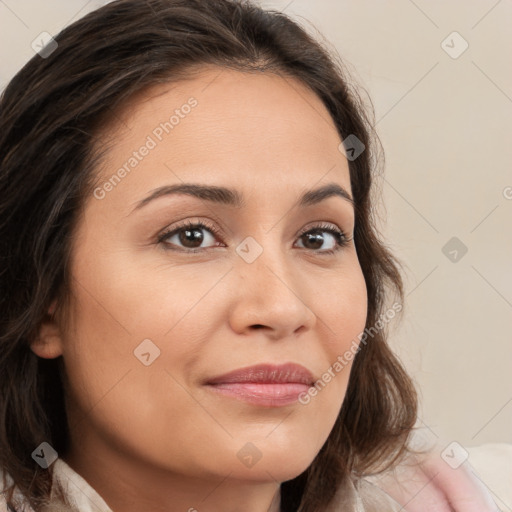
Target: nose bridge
(268, 293)
(264, 254)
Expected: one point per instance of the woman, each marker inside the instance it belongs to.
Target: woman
(194, 296)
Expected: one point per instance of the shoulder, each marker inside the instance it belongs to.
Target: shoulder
(374, 499)
(361, 495)
(492, 463)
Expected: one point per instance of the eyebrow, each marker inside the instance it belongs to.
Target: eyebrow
(233, 198)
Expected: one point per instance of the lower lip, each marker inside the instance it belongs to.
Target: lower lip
(267, 395)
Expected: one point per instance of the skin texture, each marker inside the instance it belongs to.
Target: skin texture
(154, 437)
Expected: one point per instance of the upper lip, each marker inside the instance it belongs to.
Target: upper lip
(267, 374)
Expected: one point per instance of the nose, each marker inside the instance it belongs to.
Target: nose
(270, 296)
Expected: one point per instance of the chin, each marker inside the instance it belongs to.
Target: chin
(278, 466)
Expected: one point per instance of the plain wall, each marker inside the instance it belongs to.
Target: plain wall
(445, 124)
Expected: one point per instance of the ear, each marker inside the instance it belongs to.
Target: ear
(48, 341)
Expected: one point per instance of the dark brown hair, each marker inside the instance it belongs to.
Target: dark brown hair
(49, 115)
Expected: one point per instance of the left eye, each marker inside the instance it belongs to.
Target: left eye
(189, 235)
(316, 237)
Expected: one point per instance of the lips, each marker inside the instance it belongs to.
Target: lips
(264, 384)
(267, 373)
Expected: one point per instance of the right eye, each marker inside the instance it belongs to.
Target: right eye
(188, 234)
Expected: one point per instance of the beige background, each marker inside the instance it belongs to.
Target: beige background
(446, 126)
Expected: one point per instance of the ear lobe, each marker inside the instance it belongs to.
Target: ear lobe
(48, 343)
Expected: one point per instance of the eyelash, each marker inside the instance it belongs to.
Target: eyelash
(341, 239)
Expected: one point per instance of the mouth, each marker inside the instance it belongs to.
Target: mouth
(265, 385)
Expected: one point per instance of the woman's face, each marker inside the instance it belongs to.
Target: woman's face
(155, 318)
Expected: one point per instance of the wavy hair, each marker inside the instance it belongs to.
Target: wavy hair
(49, 115)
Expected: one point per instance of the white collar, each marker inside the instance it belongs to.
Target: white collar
(77, 490)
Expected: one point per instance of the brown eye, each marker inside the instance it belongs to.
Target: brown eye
(314, 239)
(190, 236)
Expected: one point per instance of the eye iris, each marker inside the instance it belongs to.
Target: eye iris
(195, 235)
(315, 237)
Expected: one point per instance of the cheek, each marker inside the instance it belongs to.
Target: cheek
(120, 302)
(146, 294)
(344, 311)
(343, 317)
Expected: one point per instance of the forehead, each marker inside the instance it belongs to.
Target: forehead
(223, 126)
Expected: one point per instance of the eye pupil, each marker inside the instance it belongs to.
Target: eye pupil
(191, 235)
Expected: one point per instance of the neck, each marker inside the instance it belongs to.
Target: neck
(130, 487)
